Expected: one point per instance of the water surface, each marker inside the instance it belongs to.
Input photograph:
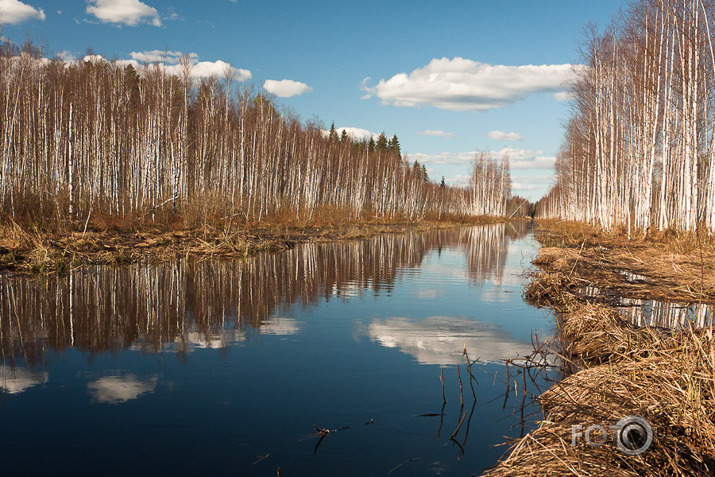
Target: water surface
(217, 367)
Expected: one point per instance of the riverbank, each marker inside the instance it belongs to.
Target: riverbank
(26, 249)
(618, 369)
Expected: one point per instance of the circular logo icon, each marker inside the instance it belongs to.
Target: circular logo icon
(634, 435)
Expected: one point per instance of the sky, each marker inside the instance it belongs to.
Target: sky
(448, 78)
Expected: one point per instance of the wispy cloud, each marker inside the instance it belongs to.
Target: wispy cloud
(460, 84)
(14, 11)
(524, 185)
(430, 132)
(502, 136)
(161, 56)
(443, 157)
(126, 12)
(518, 158)
(527, 159)
(286, 88)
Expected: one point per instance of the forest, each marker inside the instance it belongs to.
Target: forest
(96, 138)
(639, 146)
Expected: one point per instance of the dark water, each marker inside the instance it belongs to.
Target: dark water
(206, 367)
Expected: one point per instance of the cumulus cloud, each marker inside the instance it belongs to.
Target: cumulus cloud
(14, 11)
(502, 136)
(205, 69)
(460, 84)
(286, 88)
(357, 134)
(430, 132)
(127, 12)
(169, 61)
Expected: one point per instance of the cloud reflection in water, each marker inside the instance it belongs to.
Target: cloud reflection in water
(440, 339)
(17, 380)
(119, 389)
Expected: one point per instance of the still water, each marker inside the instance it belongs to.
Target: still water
(217, 367)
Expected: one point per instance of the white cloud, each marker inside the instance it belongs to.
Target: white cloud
(286, 88)
(526, 159)
(357, 134)
(160, 56)
(93, 59)
(169, 61)
(460, 180)
(14, 11)
(205, 69)
(443, 157)
(127, 12)
(429, 132)
(502, 136)
(531, 183)
(518, 158)
(66, 56)
(564, 96)
(460, 84)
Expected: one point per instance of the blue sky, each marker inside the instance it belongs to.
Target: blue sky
(448, 78)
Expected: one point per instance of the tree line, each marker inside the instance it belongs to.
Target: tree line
(639, 148)
(103, 137)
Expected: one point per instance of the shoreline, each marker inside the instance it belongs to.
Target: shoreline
(34, 252)
(615, 369)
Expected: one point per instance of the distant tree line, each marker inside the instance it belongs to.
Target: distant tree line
(94, 136)
(639, 148)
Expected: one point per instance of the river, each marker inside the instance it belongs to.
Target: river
(198, 366)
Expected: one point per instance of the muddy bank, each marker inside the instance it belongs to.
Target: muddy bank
(618, 370)
(27, 250)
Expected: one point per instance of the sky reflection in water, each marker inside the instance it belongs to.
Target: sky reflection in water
(202, 366)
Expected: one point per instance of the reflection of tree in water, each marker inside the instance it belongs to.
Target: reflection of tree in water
(666, 315)
(204, 303)
(659, 314)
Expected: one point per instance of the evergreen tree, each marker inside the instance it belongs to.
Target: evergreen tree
(381, 142)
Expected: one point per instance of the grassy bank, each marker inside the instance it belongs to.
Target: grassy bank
(27, 249)
(617, 369)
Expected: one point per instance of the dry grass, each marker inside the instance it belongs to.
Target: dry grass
(619, 370)
(669, 266)
(666, 379)
(110, 239)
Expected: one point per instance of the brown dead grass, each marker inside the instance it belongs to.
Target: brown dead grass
(670, 266)
(618, 370)
(110, 240)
